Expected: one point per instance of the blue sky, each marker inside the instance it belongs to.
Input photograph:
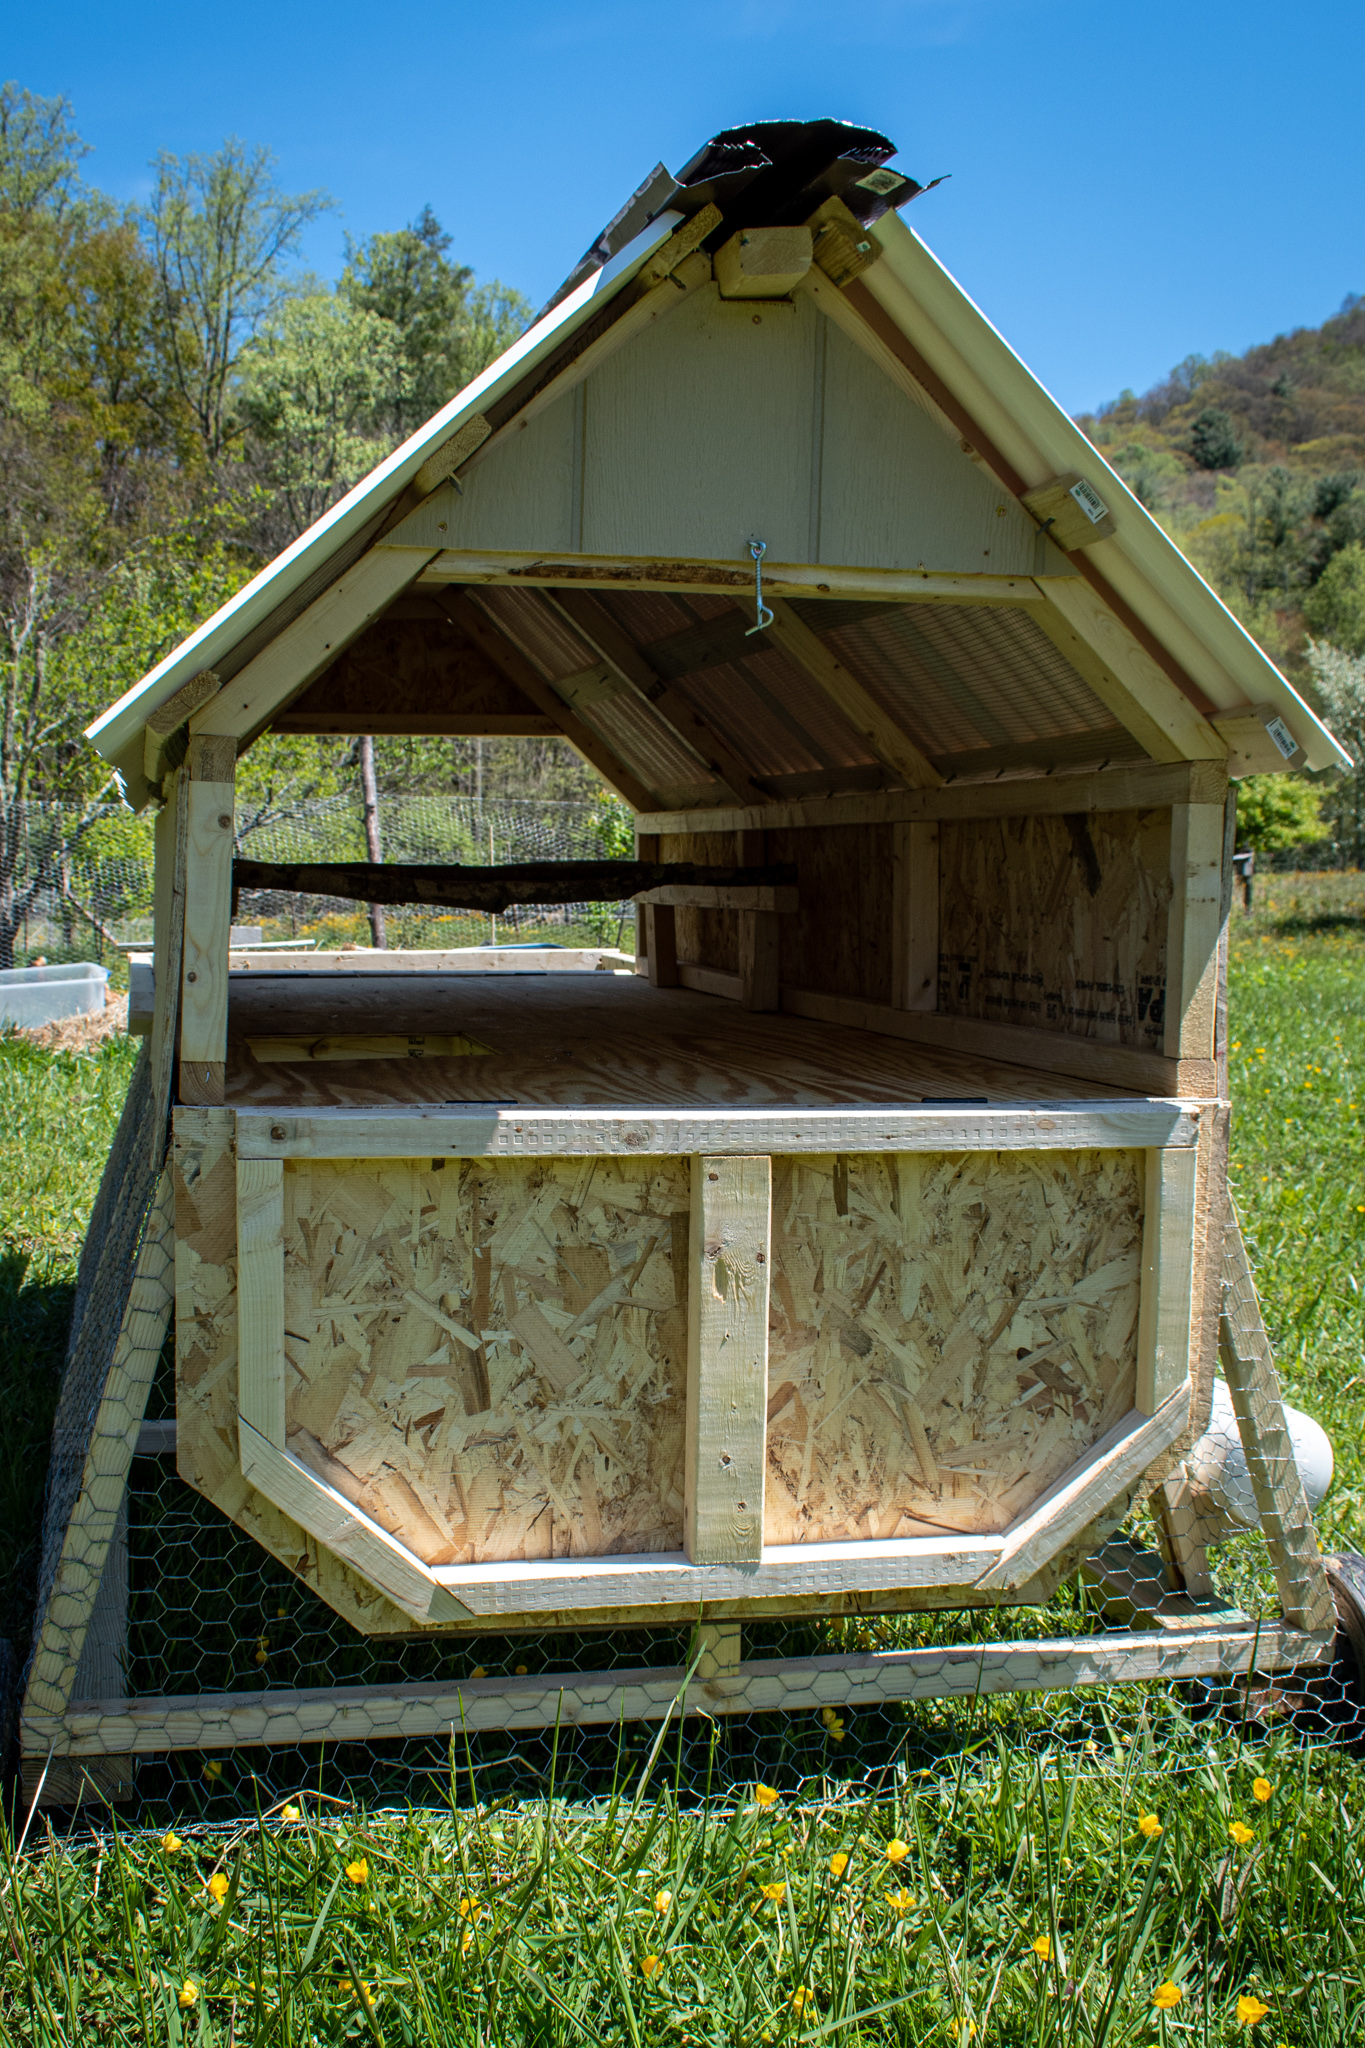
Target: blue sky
(1130, 183)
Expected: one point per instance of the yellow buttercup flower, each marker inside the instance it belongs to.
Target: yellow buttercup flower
(897, 1850)
(479, 1671)
(838, 1863)
(651, 1966)
(662, 1901)
(1241, 1833)
(1042, 1948)
(962, 2030)
(187, 1995)
(364, 1995)
(470, 1909)
(1149, 1825)
(213, 1769)
(800, 1998)
(291, 1813)
(765, 1795)
(359, 1871)
(170, 1843)
(900, 1901)
(1250, 2011)
(1167, 1996)
(1262, 1789)
(218, 1885)
(774, 1893)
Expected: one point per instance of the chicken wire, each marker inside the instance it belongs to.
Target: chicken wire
(82, 879)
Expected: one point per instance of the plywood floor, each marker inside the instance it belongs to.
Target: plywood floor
(590, 1040)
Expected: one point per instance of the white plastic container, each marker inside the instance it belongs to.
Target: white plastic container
(30, 996)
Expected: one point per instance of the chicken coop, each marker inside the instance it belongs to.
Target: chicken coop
(860, 1244)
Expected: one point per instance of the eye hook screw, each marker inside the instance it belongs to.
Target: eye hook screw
(763, 617)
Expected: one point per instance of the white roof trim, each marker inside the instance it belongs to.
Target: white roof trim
(122, 723)
(1041, 440)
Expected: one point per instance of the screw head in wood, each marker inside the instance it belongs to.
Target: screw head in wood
(224, 820)
(191, 976)
(277, 1131)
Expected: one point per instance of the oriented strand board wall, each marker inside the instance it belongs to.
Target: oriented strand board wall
(491, 1358)
(949, 1334)
(1058, 922)
(706, 938)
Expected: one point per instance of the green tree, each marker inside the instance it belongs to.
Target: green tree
(1334, 608)
(312, 390)
(1213, 439)
(1340, 678)
(448, 329)
(1276, 811)
(221, 233)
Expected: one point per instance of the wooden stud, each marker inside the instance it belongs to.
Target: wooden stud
(1195, 922)
(661, 925)
(260, 1296)
(755, 899)
(890, 744)
(208, 920)
(1286, 1519)
(842, 246)
(1167, 1277)
(171, 838)
(763, 263)
(760, 937)
(915, 915)
(719, 1644)
(301, 650)
(1258, 741)
(1070, 511)
(727, 1359)
(790, 1684)
(166, 721)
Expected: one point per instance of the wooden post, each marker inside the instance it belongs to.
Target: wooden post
(172, 827)
(374, 845)
(914, 912)
(646, 848)
(759, 936)
(1167, 1276)
(260, 1296)
(661, 928)
(208, 920)
(727, 1359)
(1196, 919)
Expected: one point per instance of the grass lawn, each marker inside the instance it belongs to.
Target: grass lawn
(1165, 1883)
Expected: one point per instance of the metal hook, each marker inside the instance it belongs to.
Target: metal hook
(758, 549)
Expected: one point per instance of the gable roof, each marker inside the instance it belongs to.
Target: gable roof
(905, 308)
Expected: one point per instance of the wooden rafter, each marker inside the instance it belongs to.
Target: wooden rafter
(886, 739)
(593, 623)
(491, 640)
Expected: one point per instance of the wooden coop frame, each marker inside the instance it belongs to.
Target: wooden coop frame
(933, 872)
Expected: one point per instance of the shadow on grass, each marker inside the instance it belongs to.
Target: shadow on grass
(35, 1313)
(1324, 923)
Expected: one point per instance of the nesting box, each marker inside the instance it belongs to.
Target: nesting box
(858, 1245)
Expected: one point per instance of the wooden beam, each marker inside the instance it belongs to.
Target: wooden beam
(362, 962)
(763, 263)
(760, 939)
(309, 643)
(1070, 511)
(727, 1359)
(862, 1678)
(1194, 923)
(915, 917)
(260, 1296)
(491, 640)
(885, 737)
(519, 567)
(208, 919)
(1167, 1296)
(1142, 785)
(163, 724)
(1104, 1475)
(439, 465)
(497, 888)
(1144, 690)
(593, 622)
(489, 725)
(171, 835)
(1258, 741)
(405, 1131)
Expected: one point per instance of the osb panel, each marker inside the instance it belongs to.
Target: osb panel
(839, 941)
(949, 1334)
(490, 1359)
(1058, 922)
(206, 1374)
